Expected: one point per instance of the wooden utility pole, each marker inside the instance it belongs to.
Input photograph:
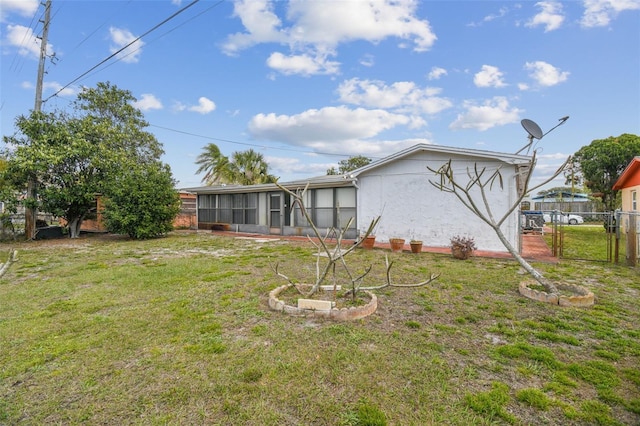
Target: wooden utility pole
(31, 211)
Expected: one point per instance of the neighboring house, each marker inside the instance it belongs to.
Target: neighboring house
(93, 221)
(562, 197)
(565, 201)
(397, 188)
(629, 185)
(186, 219)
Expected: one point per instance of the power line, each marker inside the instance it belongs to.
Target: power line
(123, 48)
(164, 34)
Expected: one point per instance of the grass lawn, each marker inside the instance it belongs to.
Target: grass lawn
(589, 242)
(104, 330)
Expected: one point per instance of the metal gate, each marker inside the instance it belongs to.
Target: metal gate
(594, 236)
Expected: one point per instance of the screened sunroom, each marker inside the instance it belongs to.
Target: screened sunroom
(266, 209)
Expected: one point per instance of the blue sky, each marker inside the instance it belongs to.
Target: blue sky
(309, 83)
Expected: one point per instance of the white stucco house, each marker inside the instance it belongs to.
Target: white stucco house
(397, 188)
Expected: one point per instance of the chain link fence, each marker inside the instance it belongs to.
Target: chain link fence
(594, 236)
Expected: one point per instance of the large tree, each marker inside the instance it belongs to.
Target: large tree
(351, 163)
(75, 156)
(110, 119)
(602, 162)
(51, 148)
(244, 168)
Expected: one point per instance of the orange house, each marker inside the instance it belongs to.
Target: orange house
(629, 185)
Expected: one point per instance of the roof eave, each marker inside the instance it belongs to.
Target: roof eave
(513, 159)
(333, 182)
(629, 171)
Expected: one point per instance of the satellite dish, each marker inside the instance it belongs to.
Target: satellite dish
(532, 128)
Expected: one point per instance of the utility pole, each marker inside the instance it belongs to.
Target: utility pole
(31, 210)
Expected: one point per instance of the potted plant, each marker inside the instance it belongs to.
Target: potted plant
(462, 247)
(416, 246)
(397, 244)
(368, 242)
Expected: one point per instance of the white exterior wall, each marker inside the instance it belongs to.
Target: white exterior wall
(412, 208)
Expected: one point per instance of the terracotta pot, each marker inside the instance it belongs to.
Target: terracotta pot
(397, 244)
(416, 246)
(369, 242)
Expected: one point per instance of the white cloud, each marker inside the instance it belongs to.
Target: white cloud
(402, 96)
(148, 102)
(550, 16)
(25, 8)
(491, 113)
(261, 23)
(302, 64)
(489, 76)
(436, 73)
(179, 106)
(204, 106)
(339, 126)
(599, 13)
(374, 21)
(501, 13)
(25, 40)
(367, 61)
(546, 74)
(316, 29)
(120, 38)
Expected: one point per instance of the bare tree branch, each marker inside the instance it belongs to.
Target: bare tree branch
(447, 182)
(338, 254)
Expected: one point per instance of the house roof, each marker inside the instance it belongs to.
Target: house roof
(327, 181)
(476, 153)
(349, 179)
(563, 194)
(630, 176)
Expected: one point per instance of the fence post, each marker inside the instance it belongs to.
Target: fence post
(616, 240)
(632, 242)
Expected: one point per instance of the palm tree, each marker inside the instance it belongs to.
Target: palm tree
(249, 168)
(214, 165)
